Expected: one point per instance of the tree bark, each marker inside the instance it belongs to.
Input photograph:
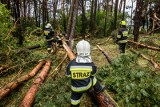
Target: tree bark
(124, 5)
(109, 59)
(115, 15)
(64, 16)
(72, 27)
(137, 19)
(83, 31)
(106, 15)
(55, 2)
(145, 46)
(91, 25)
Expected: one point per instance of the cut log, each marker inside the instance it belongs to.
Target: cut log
(145, 46)
(13, 85)
(109, 59)
(30, 95)
(103, 98)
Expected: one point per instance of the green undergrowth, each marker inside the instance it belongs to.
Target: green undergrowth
(132, 84)
(54, 93)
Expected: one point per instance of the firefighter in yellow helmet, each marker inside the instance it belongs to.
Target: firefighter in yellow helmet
(49, 34)
(81, 70)
(122, 36)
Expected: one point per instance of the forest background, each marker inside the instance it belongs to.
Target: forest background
(130, 84)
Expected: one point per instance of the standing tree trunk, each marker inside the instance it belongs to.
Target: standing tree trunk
(112, 7)
(115, 15)
(29, 8)
(55, 2)
(106, 15)
(84, 23)
(124, 5)
(91, 25)
(95, 14)
(63, 16)
(43, 12)
(137, 19)
(72, 21)
(120, 6)
(35, 11)
(131, 11)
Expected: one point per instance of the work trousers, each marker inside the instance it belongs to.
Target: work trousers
(122, 47)
(75, 96)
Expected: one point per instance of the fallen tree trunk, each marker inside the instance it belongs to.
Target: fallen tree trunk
(156, 66)
(103, 98)
(145, 46)
(105, 54)
(29, 47)
(13, 85)
(68, 49)
(30, 95)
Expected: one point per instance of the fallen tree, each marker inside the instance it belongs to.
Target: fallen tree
(103, 98)
(143, 45)
(30, 95)
(28, 48)
(156, 66)
(105, 54)
(13, 85)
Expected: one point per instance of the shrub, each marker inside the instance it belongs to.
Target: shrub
(133, 85)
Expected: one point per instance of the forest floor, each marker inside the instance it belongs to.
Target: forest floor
(16, 96)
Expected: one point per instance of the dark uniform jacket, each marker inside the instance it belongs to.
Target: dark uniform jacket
(49, 33)
(122, 35)
(81, 75)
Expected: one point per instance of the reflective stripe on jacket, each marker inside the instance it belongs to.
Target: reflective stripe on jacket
(122, 35)
(81, 74)
(49, 33)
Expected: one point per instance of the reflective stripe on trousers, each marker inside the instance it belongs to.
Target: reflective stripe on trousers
(122, 41)
(75, 102)
(84, 88)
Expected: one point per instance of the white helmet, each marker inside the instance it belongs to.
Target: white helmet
(83, 48)
(48, 26)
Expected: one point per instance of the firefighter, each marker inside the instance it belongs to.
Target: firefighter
(49, 34)
(58, 39)
(81, 70)
(122, 37)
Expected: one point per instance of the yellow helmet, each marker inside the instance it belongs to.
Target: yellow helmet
(123, 23)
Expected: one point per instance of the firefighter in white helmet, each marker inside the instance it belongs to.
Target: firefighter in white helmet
(49, 34)
(81, 70)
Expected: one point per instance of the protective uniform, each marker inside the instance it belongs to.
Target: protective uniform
(58, 39)
(122, 37)
(49, 34)
(81, 70)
